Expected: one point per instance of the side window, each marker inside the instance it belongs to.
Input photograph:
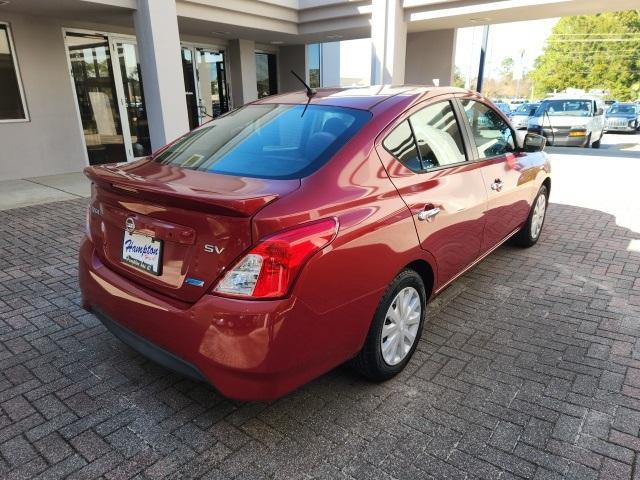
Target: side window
(438, 135)
(491, 133)
(401, 144)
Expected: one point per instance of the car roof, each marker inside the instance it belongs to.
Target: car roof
(572, 97)
(365, 98)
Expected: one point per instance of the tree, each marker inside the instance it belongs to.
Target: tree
(592, 52)
(458, 79)
(506, 67)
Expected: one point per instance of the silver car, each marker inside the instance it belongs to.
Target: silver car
(520, 116)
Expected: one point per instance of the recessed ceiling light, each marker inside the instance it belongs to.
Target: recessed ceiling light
(334, 36)
(276, 42)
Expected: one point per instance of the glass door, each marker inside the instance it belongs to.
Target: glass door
(91, 67)
(212, 84)
(133, 98)
(266, 74)
(188, 71)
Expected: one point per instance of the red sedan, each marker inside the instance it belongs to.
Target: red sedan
(302, 231)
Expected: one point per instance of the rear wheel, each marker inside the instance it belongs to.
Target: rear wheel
(395, 329)
(530, 231)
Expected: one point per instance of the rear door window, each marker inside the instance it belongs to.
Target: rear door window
(438, 135)
(402, 145)
(267, 141)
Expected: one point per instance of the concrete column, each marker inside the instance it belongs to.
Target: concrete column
(242, 63)
(430, 57)
(330, 64)
(292, 57)
(389, 39)
(158, 39)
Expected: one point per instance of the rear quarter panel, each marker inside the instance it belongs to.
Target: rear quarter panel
(343, 284)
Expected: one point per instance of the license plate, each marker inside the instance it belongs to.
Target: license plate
(142, 252)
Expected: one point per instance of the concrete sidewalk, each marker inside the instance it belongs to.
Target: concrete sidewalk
(37, 190)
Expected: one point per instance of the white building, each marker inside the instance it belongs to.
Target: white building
(92, 81)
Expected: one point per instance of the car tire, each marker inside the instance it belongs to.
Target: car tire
(530, 232)
(373, 361)
(587, 144)
(596, 144)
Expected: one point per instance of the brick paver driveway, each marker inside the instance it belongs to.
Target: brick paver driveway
(529, 368)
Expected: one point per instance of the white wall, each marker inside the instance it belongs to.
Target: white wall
(430, 55)
(291, 57)
(51, 142)
(242, 63)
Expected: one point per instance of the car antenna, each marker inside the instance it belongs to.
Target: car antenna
(310, 91)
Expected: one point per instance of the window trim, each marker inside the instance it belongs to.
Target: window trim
(471, 138)
(16, 68)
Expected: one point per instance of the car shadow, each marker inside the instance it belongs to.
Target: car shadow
(617, 151)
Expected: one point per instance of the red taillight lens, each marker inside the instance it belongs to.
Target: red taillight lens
(271, 267)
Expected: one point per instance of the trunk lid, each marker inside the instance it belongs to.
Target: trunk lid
(203, 221)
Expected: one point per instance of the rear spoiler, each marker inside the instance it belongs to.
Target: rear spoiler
(116, 180)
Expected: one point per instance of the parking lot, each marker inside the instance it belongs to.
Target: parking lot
(529, 366)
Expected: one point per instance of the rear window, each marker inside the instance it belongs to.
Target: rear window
(267, 141)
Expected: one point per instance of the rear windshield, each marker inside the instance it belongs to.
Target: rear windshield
(267, 141)
(527, 108)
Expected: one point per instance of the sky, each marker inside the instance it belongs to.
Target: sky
(505, 40)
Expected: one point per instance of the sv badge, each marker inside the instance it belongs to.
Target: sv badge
(213, 249)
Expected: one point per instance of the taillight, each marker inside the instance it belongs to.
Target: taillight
(270, 268)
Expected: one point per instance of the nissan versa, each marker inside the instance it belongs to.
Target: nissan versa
(305, 230)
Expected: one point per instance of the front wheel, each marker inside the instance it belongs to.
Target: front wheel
(395, 329)
(530, 232)
(596, 144)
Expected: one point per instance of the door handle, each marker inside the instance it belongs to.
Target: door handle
(497, 185)
(428, 215)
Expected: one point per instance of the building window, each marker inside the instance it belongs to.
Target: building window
(12, 105)
(266, 74)
(314, 55)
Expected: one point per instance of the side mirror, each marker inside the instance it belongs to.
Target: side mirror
(599, 111)
(534, 142)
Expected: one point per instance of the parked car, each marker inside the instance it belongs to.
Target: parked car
(623, 117)
(520, 116)
(608, 104)
(570, 121)
(504, 107)
(296, 233)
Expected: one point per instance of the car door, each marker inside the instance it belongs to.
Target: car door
(509, 192)
(425, 156)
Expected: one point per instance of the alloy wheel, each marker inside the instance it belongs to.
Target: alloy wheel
(401, 325)
(537, 219)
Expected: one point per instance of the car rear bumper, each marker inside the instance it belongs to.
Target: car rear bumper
(248, 350)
